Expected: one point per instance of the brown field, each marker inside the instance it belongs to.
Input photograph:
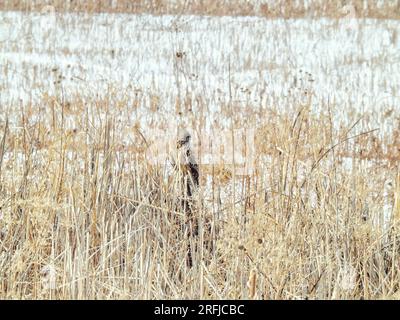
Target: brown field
(111, 227)
(270, 9)
(84, 215)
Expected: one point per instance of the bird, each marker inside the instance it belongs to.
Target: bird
(187, 169)
(185, 163)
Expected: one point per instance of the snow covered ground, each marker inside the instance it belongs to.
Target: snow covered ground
(348, 64)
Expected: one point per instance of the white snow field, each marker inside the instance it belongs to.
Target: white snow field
(347, 64)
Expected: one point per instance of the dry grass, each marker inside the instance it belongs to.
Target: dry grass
(85, 216)
(266, 8)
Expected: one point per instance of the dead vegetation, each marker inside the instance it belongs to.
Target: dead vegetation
(84, 214)
(82, 217)
(265, 8)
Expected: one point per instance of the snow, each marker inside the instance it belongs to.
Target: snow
(353, 66)
(356, 65)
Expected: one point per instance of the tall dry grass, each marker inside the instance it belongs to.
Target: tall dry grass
(84, 216)
(266, 8)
